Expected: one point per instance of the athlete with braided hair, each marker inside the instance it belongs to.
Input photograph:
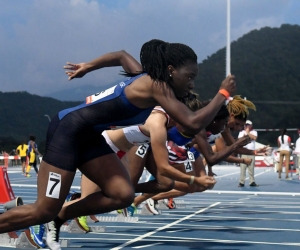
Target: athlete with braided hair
(199, 143)
(238, 109)
(74, 139)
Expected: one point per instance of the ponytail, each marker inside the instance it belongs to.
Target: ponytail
(283, 132)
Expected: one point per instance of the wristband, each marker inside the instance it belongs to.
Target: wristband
(225, 93)
(192, 180)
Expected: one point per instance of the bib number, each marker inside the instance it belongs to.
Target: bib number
(53, 186)
(142, 150)
(191, 156)
(188, 166)
(100, 95)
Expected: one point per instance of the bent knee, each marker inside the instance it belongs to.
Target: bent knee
(123, 196)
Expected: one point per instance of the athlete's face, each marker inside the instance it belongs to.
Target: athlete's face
(217, 126)
(235, 124)
(183, 78)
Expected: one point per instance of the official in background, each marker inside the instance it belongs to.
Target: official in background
(248, 130)
(284, 148)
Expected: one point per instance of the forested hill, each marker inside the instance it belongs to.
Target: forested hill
(266, 64)
(22, 114)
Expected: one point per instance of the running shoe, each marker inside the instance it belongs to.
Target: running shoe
(171, 203)
(253, 184)
(52, 238)
(73, 196)
(150, 205)
(37, 233)
(81, 222)
(120, 211)
(28, 175)
(131, 210)
(123, 212)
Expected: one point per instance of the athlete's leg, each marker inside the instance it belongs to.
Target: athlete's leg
(141, 198)
(170, 194)
(52, 192)
(160, 184)
(117, 192)
(88, 187)
(135, 163)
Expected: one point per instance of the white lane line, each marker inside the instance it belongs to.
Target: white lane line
(168, 239)
(220, 176)
(179, 230)
(251, 192)
(164, 227)
(149, 245)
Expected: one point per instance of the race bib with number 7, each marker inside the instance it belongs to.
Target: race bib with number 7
(53, 186)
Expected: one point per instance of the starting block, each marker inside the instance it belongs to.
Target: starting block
(23, 241)
(118, 218)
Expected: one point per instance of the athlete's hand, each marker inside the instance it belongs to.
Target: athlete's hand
(243, 141)
(229, 84)
(77, 70)
(205, 181)
(263, 150)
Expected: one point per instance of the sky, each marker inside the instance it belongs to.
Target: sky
(38, 37)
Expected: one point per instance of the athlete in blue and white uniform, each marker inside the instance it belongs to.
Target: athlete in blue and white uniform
(74, 137)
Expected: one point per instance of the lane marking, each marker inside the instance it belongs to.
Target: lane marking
(149, 245)
(220, 176)
(164, 227)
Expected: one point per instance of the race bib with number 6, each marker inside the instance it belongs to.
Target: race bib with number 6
(53, 186)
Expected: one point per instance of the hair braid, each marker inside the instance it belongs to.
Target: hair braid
(239, 107)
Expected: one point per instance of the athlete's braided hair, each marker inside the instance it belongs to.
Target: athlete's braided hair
(239, 107)
(156, 55)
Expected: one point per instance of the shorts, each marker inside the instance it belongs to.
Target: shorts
(68, 146)
(23, 158)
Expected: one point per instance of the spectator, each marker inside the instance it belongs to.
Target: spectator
(22, 152)
(248, 130)
(297, 152)
(284, 148)
(32, 152)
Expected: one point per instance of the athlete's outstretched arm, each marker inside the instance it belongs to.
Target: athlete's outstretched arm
(194, 122)
(220, 145)
(118, 58)
(228, 138)
(211, 157)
